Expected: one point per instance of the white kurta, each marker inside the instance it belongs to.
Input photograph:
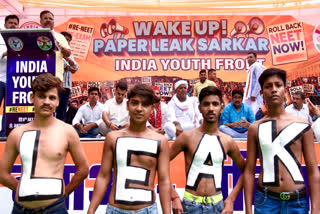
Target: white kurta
(186, 113)
(252, 88)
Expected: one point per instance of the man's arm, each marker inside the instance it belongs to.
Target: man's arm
(164, 177)
(79, 159)
(73, 65)
(8, 158)
(107, 121)
(77, 118)
(250, 167)
(236, 156)
(104, 175)
(312, 171)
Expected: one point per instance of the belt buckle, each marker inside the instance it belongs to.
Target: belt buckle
(285, 196)
(205, 200)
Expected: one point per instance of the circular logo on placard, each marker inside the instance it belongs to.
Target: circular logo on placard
(15, 43)
(44, 43)
(316, 38)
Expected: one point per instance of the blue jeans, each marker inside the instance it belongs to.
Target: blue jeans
(92, 133)
(57, 207)
(198, 208)
(2, 97)
(264, 204)
(229, 131)
(63, 104)
(147, 210)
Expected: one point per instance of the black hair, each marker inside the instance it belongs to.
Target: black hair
(11, 17)
(202, 71)
(144, 91)
(94, 89)
(234, 92)
(45, 12)
(302, 95)
(254, 54)
(122, 85)
(210, 90)
(271, 72)
(65, 33)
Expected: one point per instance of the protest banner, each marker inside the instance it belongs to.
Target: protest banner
(30, 52)
(165, 88)
(308, 88)
(294, 89)
(287, 42)
(81, 39)
(76, 92)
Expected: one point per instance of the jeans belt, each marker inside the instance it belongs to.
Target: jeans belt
(214, 199)
(48, 208)
(285, 196)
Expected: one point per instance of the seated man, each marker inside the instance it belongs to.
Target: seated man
(298, 107)
(115, 114)
(90, 113)
(183, 110)
(236, 117)
(160, 114)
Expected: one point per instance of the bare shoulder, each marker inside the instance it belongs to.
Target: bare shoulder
(227, 141)
(254, 126)
(17, 132)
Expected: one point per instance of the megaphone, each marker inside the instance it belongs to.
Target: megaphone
(239, 28)
(256, 26)
(113, 28)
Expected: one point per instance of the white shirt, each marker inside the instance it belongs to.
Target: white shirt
(117, 113)
(303, 112)
(3, 61)
(88, 114)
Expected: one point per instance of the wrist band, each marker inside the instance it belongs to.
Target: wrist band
(174, 198)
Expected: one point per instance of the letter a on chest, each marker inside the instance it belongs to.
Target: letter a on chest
(275, 147)
(207, 162)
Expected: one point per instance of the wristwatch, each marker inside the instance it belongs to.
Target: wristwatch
(315, 117)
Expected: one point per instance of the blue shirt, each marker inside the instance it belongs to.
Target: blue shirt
(231, 115)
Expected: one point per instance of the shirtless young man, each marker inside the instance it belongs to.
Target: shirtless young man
(280, 140)
(204, 150)
(43, 145)
(135, 153)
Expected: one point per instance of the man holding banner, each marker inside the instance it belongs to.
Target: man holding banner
(252, 89)
(204, 150)
(43, 145)
(136, 154)
(280, 140)
(10, 22)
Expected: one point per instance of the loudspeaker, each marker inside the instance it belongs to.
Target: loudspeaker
(239, 28)
(112, 28)
(256, 26)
